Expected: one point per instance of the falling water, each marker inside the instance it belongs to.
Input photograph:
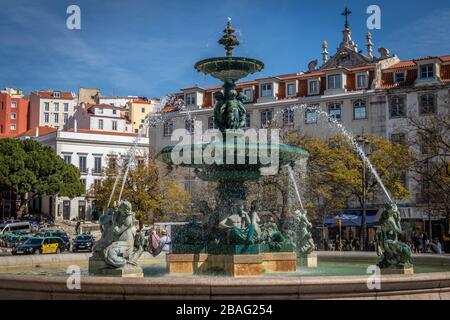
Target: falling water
(291, 175)
(350, 138)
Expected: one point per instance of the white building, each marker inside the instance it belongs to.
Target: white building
(90, 152)
(51, 108)
(100, 117)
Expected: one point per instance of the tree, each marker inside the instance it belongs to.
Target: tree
(153, 194)
(26, 166)
(429, 139)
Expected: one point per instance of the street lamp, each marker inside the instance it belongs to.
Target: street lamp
(363, 143)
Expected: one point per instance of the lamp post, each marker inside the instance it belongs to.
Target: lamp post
(363, 142)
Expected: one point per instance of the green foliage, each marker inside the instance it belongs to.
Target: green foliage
(28, 166)
(153, 197)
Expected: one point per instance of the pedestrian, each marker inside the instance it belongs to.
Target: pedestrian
(165, 241)
(77, 227)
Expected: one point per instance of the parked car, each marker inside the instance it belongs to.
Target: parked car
(40, 245)
(59, 234)
(10, 227)
(83, 242)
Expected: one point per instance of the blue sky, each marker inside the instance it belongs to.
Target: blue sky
(149, 47)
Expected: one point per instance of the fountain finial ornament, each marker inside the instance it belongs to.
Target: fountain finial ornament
(229, 39)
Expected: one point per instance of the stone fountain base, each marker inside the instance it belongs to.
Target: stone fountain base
(308, 260)
(407, 271)
(234, 265)
(100, 268)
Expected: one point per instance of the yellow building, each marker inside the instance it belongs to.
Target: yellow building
(138, 109)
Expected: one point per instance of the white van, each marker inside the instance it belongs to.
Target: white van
(15, 227)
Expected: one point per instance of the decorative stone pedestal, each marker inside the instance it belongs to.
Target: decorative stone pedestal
(237, 265)
(274, 262)
(100, 268)
(400, 271)
(308, 260)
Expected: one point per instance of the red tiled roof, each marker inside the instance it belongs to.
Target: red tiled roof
(112, 133)
(49, 95)
(402, 64)
(102, 105)
(43, 131)
(445, 58)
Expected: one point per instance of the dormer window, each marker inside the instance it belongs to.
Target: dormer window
(56, 94)
(249, 94)
(313, 87)
(291, 89)
(361, 81)
(400, 77)
(99, 110)
(191, 99)
(427, 72)
(266, 90)
(335, 81)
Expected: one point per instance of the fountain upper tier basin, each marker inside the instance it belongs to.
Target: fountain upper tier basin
(247, 161)
(229, 68)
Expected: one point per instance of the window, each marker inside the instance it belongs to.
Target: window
(266, 90)
(249, 94)
(56, 117)
(46, 117)
(400, 77)
(427, 71)
(65, 118)
(97, 164)
(13, 116)
(68, 159)
(82, 164)
(99, 110)
(114, 125)
(335, 81)
(57, 94)
(12, 127)
(66, 107)
(313, 87)
(13, 104)
(100, 124)
(335, 111)
(310, 116)
(247, 120)
(429, 143)
(191, 99)
(211, 124)
(427, 104)
(1, 128)
(114, 111)
(361, 81)
(46, 106)
(56, 105)
(359, 110)
(167, 128)
(189, 125)
(399, 138)
(266, 118)
(288, 117)
(397, 107)
(291, 90)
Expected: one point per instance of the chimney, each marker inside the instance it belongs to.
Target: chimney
(369, 45)
(75, 126)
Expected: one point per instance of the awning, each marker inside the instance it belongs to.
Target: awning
(352, 218)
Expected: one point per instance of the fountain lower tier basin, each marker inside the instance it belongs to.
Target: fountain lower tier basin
(339, 275)
(232, 161)
(229, 68)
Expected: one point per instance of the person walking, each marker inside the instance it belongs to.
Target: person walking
(165, 241)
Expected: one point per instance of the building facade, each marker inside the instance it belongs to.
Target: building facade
(90, 152)
(51, 108)
(100, 117)
(138, 109)
(367, 94)
(13, 113)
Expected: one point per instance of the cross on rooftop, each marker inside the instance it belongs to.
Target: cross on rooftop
(346, 14)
